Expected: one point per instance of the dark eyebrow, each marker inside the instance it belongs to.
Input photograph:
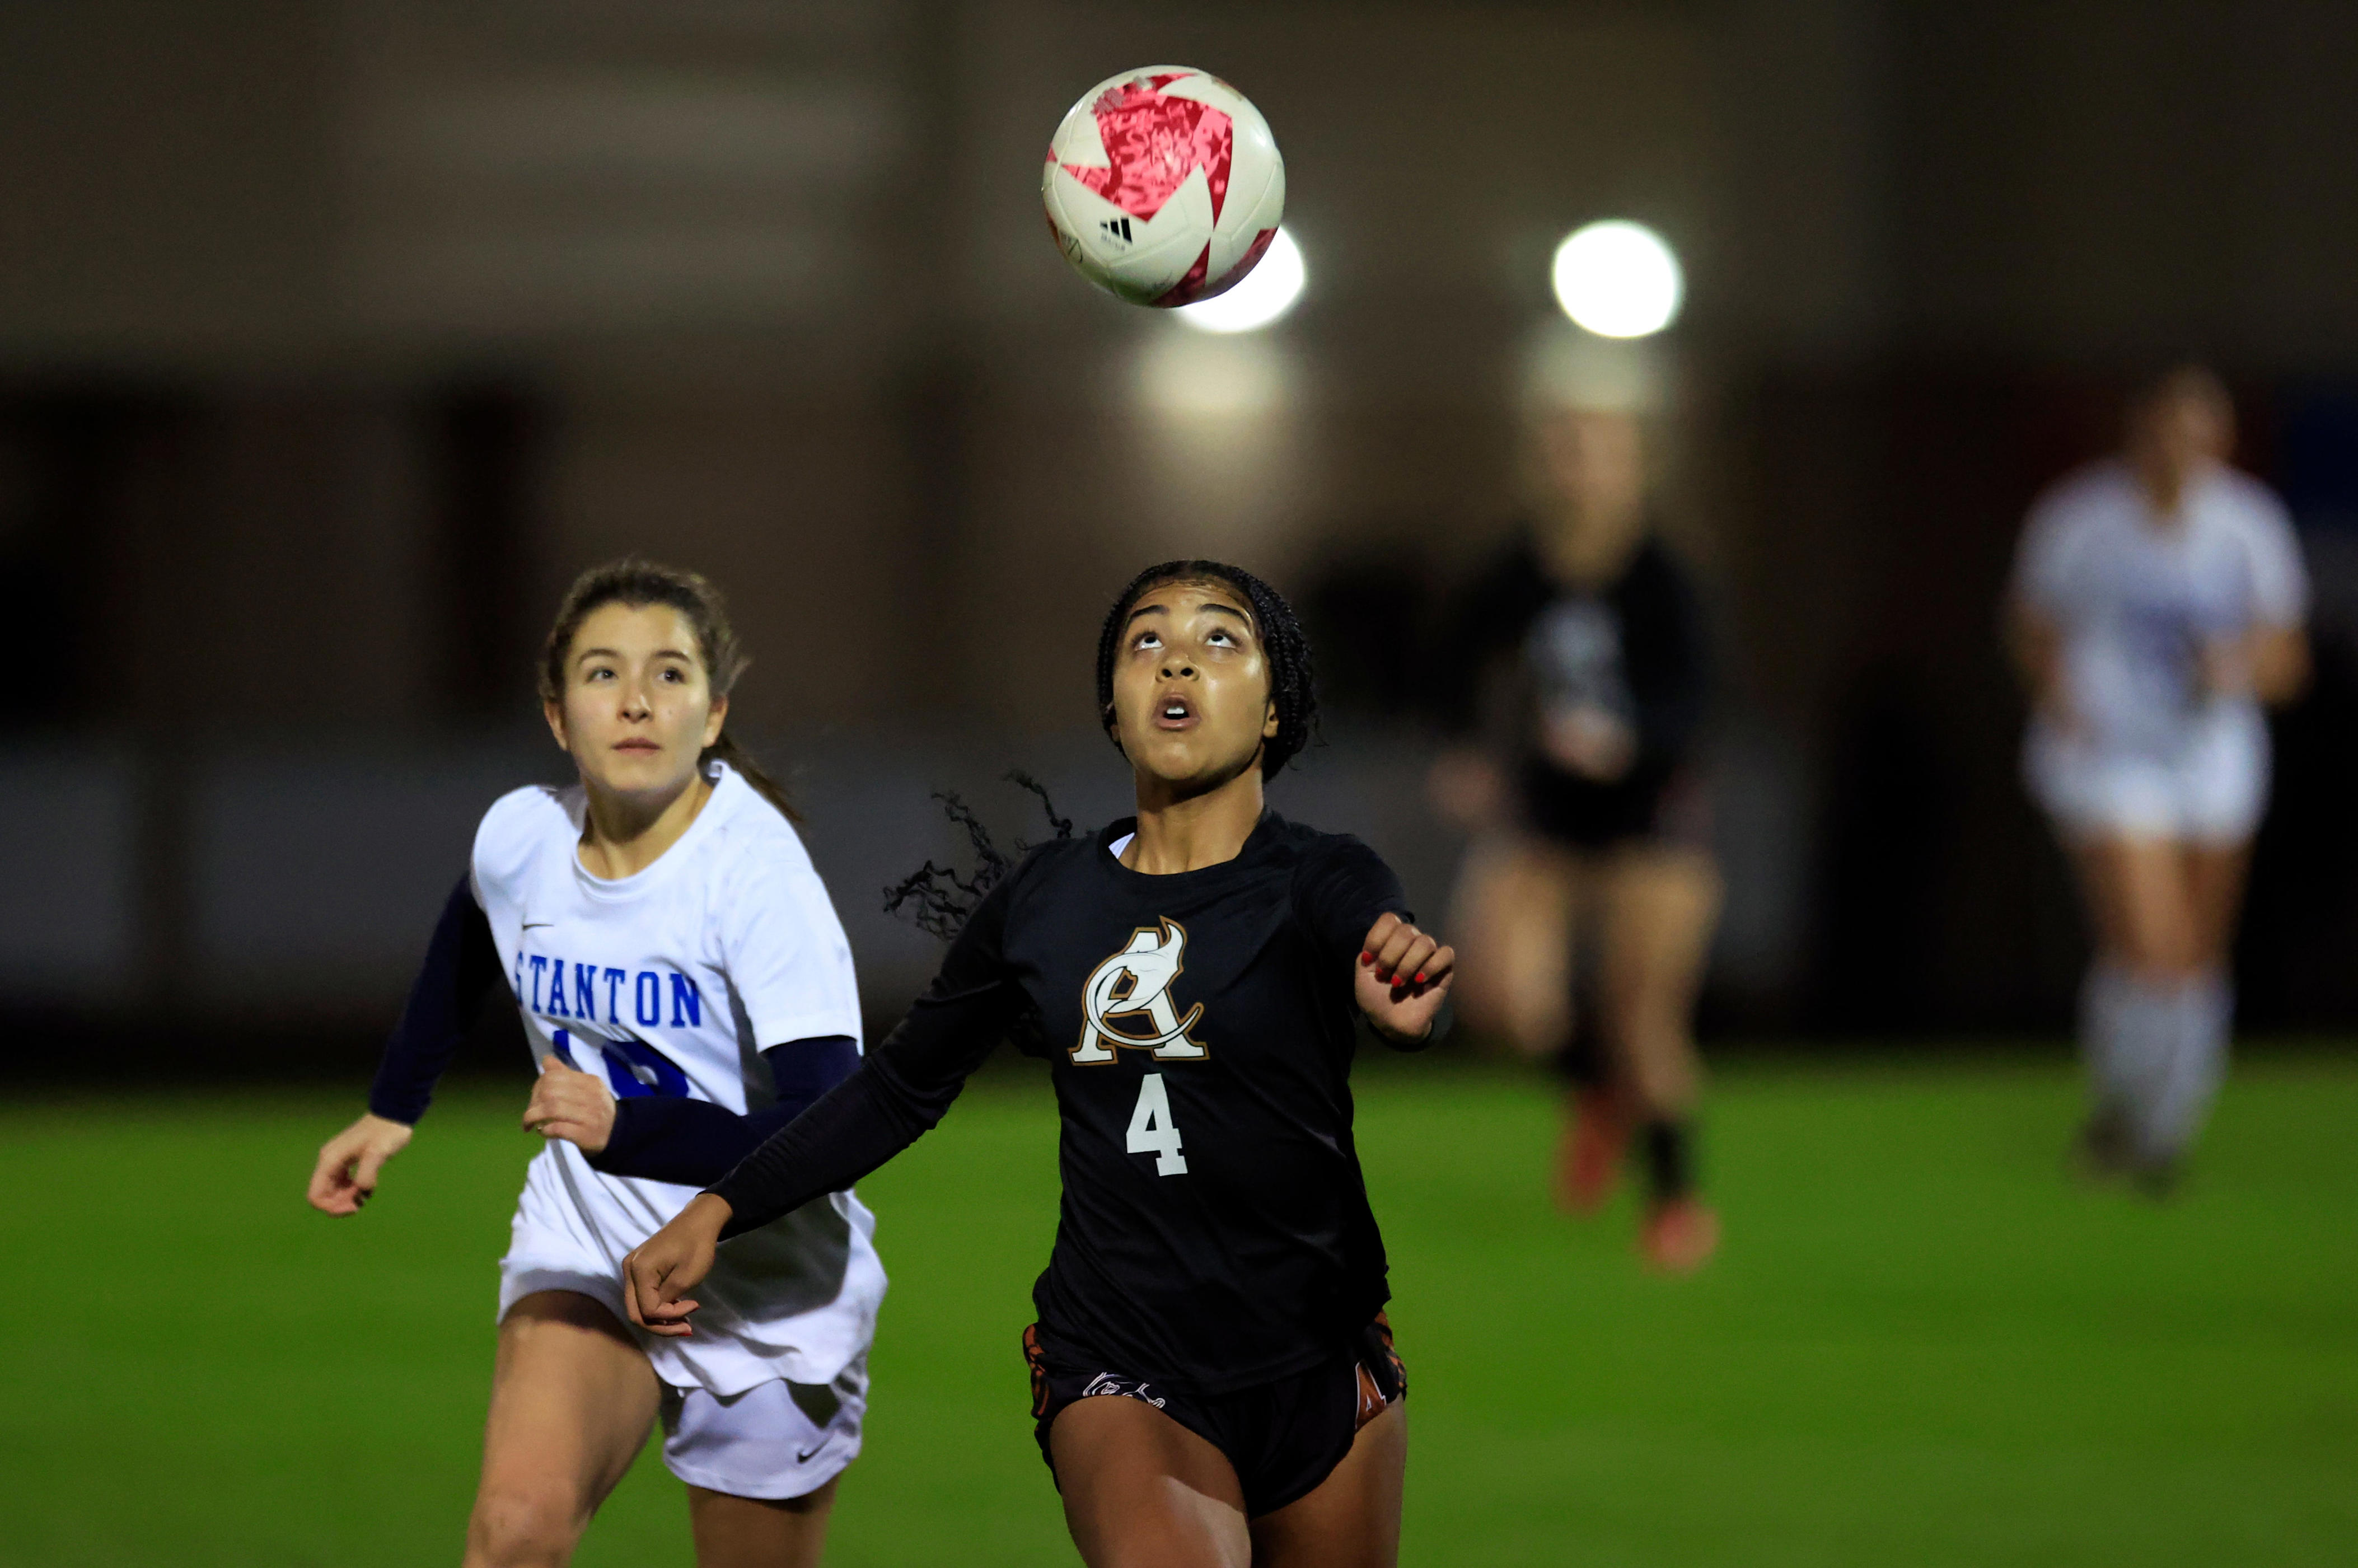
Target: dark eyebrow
(615, 653)
(1208, 604)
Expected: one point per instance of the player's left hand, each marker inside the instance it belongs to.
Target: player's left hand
(571, 1104)
(662, 1270)
(1402, 976)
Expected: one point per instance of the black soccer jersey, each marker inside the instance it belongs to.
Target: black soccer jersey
(1634, 647)
(1215, 1229)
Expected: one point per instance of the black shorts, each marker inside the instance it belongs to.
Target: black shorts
(1673, 810)
(1282, 1438)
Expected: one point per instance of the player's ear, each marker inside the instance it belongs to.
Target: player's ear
(1269, 721)
(554, 711)
(715, 718)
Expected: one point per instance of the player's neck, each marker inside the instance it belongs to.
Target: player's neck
(622, 834)
(1180, 832)
(2165, 485)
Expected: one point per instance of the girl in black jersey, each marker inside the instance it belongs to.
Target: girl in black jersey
(1574, 681)
(1212, 1375)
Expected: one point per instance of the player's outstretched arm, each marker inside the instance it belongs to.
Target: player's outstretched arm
(658, 1274)
(349, 1162)
(461, 969)
(1403, 976)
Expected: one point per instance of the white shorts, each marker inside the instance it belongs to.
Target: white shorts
(774, 1440)
(796, 1299)
(2212, 791)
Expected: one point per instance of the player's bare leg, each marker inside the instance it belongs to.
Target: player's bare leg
(2140, 903)
(2214, 879)
(2164, 913)
(1515, 902)
(572, 1402)
(1518, 901)
(2214, 875)
(1352, 1518)
(1659, 906)
(1142, 1491)
(759, 1532)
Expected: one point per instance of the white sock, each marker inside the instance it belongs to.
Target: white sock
(2203, 1011)
(2151, 1015)
(2103, 997)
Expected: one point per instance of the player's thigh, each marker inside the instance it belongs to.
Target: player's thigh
(2214, 878)
(573, 1399)
(1142, 1491)
(1482, 916)
(1352, 1518)
(1511, 923)
(1659, 906)
(2139, 899)
(759, 1532)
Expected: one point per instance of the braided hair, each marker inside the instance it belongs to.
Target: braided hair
(937, 899)
(1291, 674)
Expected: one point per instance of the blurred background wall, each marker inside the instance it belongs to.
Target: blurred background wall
(335, 337)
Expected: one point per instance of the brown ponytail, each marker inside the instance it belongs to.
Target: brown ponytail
(639, 583)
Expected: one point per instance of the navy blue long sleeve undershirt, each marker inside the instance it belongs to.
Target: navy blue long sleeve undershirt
(667, 1138)
(663, 1138)
(460, 971)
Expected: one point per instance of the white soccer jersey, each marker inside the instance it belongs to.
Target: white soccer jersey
(671, 981)
(2133, 600)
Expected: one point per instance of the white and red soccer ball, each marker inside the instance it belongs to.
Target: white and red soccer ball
(1164, 186)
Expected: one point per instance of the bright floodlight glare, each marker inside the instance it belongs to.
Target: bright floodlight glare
(1618, 279)
(1267, 292)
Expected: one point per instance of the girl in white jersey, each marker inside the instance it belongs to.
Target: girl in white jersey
(686, 988)
(2158, 604)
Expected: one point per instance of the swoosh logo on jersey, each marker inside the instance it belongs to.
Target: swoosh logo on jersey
(538, 925)
(1136, 982)
(802, 1456)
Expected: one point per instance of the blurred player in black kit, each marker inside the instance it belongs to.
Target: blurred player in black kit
(1212, 1376)
(1573, 681)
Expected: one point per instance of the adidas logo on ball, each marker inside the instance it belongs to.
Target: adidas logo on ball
(1164, 186)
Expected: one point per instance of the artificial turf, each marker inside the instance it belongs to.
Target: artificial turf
(1921, 1344)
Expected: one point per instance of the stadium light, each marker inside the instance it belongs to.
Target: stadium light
(1267, 293)
(1618, 279)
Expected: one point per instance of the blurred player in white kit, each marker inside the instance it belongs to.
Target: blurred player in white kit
(2158, 604)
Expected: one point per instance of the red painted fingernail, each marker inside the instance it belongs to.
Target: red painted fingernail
(1367, 958)
(1420, 977)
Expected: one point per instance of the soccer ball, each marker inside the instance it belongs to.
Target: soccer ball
(1164, 186)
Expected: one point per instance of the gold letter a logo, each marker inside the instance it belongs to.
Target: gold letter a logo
(1137, 982)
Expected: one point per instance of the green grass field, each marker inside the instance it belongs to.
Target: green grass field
(1922, 1345)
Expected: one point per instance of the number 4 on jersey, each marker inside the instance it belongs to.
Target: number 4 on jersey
(1151, 1130)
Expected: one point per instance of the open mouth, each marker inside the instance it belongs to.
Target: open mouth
(1173, 713)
